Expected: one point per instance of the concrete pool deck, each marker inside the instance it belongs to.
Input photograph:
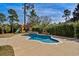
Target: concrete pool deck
(23, 47)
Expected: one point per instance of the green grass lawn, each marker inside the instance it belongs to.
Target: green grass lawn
(6, 50)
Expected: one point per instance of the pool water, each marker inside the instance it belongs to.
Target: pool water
(42, 38)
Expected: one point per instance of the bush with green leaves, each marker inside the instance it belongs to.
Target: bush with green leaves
(16, 26)
(37, 30)
(77, 31)
(7, 28)
(63, 29)
(0, 29)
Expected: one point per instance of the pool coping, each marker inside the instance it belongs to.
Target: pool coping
(28, 37)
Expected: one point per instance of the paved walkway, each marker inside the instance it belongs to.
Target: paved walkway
(24, 47)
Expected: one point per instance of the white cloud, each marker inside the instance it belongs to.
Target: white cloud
(48, 12)
(55, 14)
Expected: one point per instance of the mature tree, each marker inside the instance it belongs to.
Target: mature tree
(27, 7)
(76, 14)
(33, 13)
(74, 19)
(2, 20)
(66, 14)
(33, 18)
(45, 21)
(13, 17)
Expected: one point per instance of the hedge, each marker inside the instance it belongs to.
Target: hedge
(61, 29)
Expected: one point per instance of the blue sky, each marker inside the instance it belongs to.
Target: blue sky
(53, 10)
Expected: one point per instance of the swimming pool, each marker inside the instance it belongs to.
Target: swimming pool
(42, 38)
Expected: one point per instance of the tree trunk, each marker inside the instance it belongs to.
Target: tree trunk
(12, 29)
(24, 16)
(2, 29)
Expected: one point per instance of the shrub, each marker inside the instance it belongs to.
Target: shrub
(0, 30)
(16, 26)
(77, 30)
(37, 30)
(62, 30)
(7, 29)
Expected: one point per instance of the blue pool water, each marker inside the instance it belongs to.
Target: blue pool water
(42, 38)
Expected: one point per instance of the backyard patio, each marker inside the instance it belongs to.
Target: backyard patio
(51, 29)
(24, 47)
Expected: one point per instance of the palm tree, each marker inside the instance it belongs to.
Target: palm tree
(2, 20)
(13, 17)
(66, 14)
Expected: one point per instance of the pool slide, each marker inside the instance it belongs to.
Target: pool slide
(18, 30)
